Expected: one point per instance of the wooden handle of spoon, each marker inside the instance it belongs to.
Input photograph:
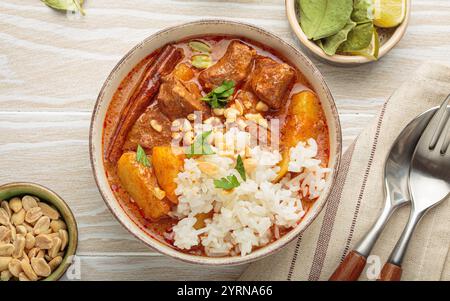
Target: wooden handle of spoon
(350, 268)
(390, 272)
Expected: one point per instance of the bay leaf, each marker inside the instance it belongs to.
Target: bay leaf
(358, 38)
(65, 5)
(331, 44)
(323, 18)
(362, 11)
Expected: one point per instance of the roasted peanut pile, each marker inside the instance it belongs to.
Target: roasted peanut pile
(32, 239)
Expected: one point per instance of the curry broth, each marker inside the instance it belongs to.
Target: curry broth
(219, 45)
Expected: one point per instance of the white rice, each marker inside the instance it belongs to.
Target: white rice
(251, 214)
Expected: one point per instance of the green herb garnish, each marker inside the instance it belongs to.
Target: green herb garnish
(141, 156)
(66, 5)
(227, 183)
(240, 168)
(199, 46)
(231, 181)
(201, 61)
(200, 146)
(219, 96)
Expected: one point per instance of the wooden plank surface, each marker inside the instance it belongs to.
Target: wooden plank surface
(53, 65)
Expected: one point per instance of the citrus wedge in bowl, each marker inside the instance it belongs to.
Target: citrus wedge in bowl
(389, 13)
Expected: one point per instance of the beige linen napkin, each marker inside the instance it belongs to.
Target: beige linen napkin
(358, 198)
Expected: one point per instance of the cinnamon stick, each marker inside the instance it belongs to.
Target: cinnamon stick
(162, 64)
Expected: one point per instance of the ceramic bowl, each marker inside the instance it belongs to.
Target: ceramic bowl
(46, 195)
(198, 28)
(389, 37)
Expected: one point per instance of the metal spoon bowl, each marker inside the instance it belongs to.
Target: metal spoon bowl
(396, 172)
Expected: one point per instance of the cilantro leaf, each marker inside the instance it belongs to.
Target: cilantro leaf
(200, 146)
(141, 156)
(219, 96)
(227, 183)
(240, 168)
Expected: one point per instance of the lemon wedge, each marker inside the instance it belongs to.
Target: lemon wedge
(389, 13)
(371, 51)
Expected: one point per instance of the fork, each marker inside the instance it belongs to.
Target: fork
(429, 183)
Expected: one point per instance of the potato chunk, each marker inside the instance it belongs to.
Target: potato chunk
(167, 165)
(305, 119)
(141, 184)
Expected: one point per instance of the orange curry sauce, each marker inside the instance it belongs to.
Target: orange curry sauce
(219, 45)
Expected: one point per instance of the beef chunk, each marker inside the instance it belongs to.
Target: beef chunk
(177, 99)
(234, 65)
(271, 81)
(143, 132)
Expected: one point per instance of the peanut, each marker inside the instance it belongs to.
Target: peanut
(28, 270)
(23, 277)
(156, 125)
(5, 275)
(58, 224)
(5, 206)
(43, 241)
(18, 217)
(53, 252)
(48, 210)
(40, 267)
(21, 229)
(42, 225)
(55, 262)
(29, 202)
(6, 249)
(15, 204)
(4, 261)
(4, 218)
(19, 245)
(33, 214)
(15, 267)
(5, 234)
(30, 241)
(64, 236)
(33, 252)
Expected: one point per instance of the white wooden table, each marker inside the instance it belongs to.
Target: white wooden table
(52, 67)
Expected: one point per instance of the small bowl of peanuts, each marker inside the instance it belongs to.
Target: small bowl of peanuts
(38, 233)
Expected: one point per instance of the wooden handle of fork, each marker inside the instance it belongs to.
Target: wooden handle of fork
(390, 272)
(350, 268)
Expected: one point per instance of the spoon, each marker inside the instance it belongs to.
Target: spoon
(429, 182)
(396, 171)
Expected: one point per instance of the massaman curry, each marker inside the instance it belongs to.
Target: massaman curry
(171, 167)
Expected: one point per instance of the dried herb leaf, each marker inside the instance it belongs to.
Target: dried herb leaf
(362, 11)
(331, 44)
(358, 38)
(66, 5)
(323, 18)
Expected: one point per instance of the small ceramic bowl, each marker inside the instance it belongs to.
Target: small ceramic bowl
(8, 191)
(389, 37)
(181, 32)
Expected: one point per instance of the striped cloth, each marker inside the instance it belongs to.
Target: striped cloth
(358, 198)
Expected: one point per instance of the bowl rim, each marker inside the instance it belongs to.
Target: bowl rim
(259, 253)
(339, 58)
(32, 188)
